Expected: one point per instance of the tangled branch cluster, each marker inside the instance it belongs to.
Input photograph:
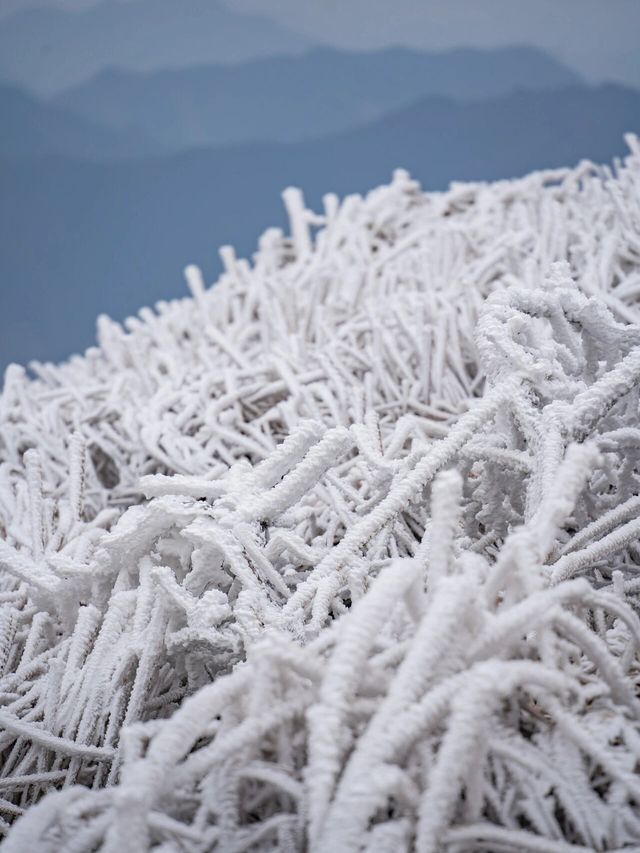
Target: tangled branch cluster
(341, 554)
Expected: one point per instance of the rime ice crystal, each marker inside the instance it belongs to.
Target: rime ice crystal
(341, 554)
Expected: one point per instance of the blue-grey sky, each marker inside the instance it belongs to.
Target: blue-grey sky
(600, 38)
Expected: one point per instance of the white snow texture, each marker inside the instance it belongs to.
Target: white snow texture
(340, 554)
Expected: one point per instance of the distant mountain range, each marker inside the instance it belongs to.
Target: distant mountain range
(293, 98)
(32, 128)
(48, 49)
(80, 237)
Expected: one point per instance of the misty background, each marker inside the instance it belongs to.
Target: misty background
(140, 135)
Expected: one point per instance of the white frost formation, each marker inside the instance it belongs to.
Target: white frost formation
(341, 554)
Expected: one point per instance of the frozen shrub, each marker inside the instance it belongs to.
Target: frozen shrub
(341, 554)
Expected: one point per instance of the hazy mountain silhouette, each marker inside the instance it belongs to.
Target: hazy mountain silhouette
(294, 98)
(48, 49)
(440, 140)
(80, 238)
(32, 128)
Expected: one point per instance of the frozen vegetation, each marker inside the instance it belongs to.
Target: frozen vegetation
(342, 553)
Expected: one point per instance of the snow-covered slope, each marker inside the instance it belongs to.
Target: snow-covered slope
(342, 553)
